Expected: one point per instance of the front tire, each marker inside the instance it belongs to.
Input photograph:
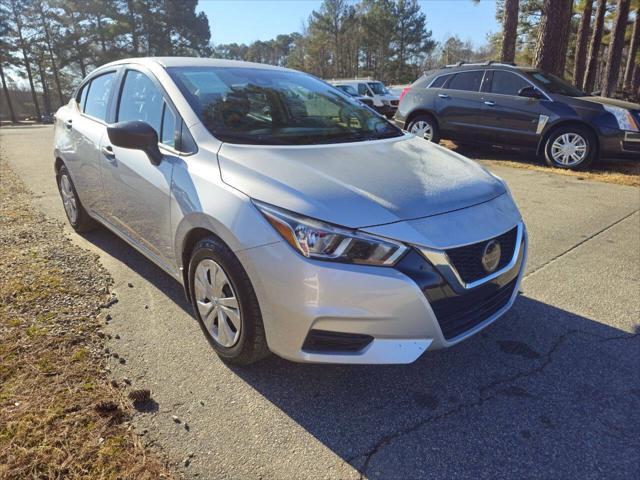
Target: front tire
(225, 303)
(571, 148)
(425, 126)
(78, 217)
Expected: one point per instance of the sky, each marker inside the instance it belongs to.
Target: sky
(244, 21)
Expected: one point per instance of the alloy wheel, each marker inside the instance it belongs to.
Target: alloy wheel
(68, 199)
(422, 129)
(217, 303)
(569, 149)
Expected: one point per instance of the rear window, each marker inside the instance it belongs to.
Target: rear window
(469, 81)
(98, 96)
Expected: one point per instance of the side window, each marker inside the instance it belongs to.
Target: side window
(168, 136)
(440, 81)
(507, 83)
(97, 97)
(362, 89)
(140, 100)
(469, 81)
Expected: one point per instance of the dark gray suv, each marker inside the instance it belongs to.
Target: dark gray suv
(497, 103)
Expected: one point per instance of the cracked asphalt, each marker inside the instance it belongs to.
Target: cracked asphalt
(551, 390)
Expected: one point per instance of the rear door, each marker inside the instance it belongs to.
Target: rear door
(459, 107)
(138, 192)
(86, 128)
(513, 119)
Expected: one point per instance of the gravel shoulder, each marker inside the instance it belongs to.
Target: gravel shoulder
(60, 414)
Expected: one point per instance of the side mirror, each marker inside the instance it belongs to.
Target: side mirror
(136, 135)
(529, 92)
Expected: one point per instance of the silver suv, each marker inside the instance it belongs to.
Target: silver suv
(299, 221)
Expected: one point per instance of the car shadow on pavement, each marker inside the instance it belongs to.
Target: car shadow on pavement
(117, 248)
(542, 393)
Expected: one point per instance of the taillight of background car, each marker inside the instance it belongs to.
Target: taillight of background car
(405, 90)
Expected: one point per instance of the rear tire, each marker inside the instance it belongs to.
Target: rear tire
(425, 126)
(78, 217)
(571, 147)
(225, 303)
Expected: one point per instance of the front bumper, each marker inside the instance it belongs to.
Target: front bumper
(394, 307)
(620, 144)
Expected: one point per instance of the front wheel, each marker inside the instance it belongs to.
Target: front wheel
(225, 303)
(426, 127)
(571, 148)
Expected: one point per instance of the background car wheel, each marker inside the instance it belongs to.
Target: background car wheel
(225, 303)
(571, 147)
(426, 127)
(76, 214)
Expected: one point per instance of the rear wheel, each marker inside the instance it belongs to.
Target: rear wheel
(570, 147)
(225, 303)
(426, 127)
(78, 217)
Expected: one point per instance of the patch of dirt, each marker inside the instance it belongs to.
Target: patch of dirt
(621, 172)
(60, 417)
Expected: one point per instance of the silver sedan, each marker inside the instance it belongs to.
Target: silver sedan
(298, 221)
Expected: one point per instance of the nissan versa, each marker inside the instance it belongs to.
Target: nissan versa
(298, 220)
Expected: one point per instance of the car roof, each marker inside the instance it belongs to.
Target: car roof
(168, 62)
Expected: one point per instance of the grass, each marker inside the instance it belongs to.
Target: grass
(620, 172)
(52, 372)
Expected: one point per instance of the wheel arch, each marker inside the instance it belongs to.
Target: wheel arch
(420, 111)
(564, 123)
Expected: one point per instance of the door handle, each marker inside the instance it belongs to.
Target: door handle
(108, 152)
(490, 103)
(68, 124)
(443, 95)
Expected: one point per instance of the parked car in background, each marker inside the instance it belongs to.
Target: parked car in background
(498, 103)
(297, 220)
(398, 89)
(384, 102)
(350, 90)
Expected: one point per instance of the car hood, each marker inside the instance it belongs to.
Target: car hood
(359, 184)
(611, 101)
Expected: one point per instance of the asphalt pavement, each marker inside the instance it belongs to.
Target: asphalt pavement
(551, 390)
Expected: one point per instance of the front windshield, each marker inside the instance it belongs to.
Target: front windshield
(276, 107)
(554, 84)
(378, 88)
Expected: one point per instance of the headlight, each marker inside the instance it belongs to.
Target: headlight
(322, 241)
(624, 118)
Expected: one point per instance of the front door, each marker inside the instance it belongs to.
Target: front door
(513, 119)
(137, 192)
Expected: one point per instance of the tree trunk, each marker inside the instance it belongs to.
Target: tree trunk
(633, 51)
(582, 44)
(76, 43)
(25, 55)
(553, 36)
(12, 114)
(614, 58)
(509, 31)
(594, 47)
(47, 39)
(46, 96)
(134, 30)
